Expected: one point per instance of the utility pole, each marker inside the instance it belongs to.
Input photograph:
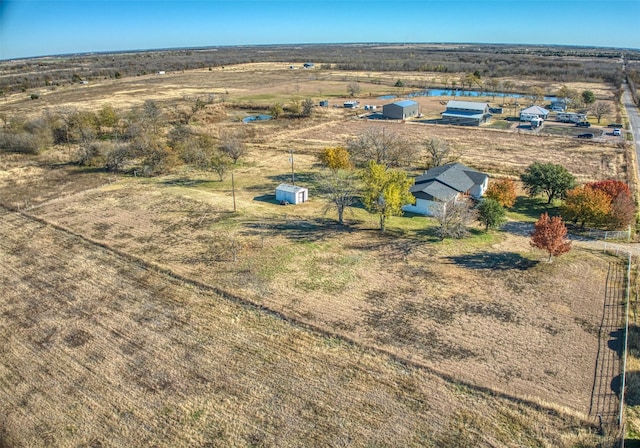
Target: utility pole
(293, 177)
(233, 192)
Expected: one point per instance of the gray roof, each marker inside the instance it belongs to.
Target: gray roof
(468, 105)
(290, 188)
(405, 103)
(444, 182)
(535, 110)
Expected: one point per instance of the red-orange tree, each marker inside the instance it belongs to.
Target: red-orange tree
(623, 207)
(503, 191)
(550, 234)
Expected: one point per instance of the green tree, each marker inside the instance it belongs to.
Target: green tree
(550, 234)
(276, 110)
(219, 163)
(307, 107)
(385, 191)
(491, 213)
(107, 118)
(588, 97)
(547, 178)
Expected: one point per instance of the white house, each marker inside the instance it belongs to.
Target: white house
(532, 112)
(291, 194)
(445, 183)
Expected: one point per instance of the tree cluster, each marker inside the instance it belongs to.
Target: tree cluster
(115, 140)
(606, 203)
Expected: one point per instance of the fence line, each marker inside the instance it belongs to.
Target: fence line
(625, 346)
(610, 234)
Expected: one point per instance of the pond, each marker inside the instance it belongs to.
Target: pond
(469, 93)
(253, 118)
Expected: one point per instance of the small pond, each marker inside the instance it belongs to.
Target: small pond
(253, 118)
(470, 93)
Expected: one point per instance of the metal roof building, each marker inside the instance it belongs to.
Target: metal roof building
(467, 113)
(291, 194)
(400, 110)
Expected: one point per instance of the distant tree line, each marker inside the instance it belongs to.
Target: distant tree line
(633, 81)
(562, 64)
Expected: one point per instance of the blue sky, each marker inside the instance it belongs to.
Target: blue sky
(45, 27)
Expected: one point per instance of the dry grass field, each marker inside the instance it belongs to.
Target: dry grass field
(128, 319)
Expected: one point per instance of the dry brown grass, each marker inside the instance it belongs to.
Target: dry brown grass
(99, 351)
(154, 360)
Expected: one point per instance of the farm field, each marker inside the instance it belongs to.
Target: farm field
(133, 317)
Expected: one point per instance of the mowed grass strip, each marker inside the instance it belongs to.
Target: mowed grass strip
(96, 350)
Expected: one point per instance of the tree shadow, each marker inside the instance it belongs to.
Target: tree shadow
(300, 230)
(500, 261)
(519, 228)
(534, 207)
(268, 198)
(184, 182)
(306, 179)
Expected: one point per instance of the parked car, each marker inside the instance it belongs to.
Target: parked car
(587, 135)
(617, 132)
(583, 124)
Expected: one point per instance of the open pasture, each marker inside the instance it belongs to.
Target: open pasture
(109, 345)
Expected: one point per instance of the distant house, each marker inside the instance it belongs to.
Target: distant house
(445, 183)
(161, 72)
(351, 104)
(324, 103)
(291, 194)
(466, 113)
(400, 110)
(559, 105)
(532, 112)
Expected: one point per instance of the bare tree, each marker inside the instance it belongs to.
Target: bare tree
(438, 152)
(382, 147)
(339, 187)
(454, 217)
(600, 109)
(151, 117)
(353, 89)
(232, 145)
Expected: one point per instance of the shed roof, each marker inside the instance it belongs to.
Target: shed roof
(470, 105)
(405, 103)
(290, 188)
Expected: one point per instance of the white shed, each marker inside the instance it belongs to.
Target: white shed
(292, 194)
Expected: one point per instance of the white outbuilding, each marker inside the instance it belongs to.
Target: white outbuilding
(291, 194)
